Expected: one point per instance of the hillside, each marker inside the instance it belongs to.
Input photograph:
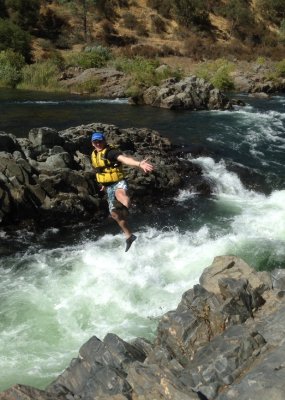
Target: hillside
(234, 28)
(71, 35)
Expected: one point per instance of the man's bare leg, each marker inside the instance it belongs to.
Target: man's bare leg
(120, 217)
(121, 221)
(123, 198)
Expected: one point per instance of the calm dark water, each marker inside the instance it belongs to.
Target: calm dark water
(61, 286)
(240, 136)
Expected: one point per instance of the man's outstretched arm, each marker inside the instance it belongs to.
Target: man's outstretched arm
(131, 162)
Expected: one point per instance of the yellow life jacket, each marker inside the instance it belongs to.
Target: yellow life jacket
(106, 171)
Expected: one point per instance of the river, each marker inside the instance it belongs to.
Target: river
(61, 287)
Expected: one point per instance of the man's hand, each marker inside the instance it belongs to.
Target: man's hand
(146, 166)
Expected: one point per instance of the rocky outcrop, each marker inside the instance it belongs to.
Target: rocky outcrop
(103, 82)
(225, 340)
(259, 79)
(190, 93)
(47, 178)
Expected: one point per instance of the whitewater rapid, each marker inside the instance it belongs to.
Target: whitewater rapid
(56, 291)
(53, 300)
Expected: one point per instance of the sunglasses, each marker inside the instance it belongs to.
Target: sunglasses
(97, 141)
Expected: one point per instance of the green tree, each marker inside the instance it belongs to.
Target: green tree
(191, 13)
(24, 13)
(82, 8)
(239, 14)
(3, 11)
(14, 38)
(51, 25)
(274, 10)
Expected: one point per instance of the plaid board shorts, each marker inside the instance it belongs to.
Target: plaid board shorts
(111, 190)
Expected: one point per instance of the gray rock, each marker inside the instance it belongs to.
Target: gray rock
(49, 179)
(190, 93)
(197, 354)
(107, 82)
(44, 137)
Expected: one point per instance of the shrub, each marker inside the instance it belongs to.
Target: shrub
(130, 20)
(239, 15)
(143, 72)
(158, 24)
(141, 30)
(107, 32)
(280, 68)
(41, 75)
(282, 31)
(89, 86)
(261, 60)
(163, 7)
(50, 25)
(14, 38)
(11, 65)
(95, 57)
(192, 13)
(218, 73)
(106, 8)
(274, 10)
(221, 79)
(24, 13)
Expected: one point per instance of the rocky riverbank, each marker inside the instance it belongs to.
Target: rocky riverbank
(225, 340)
(258, 79)
(46, 179)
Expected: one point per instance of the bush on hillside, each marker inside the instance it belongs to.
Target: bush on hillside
(11, 64)
(163, 7)
(106, 8)
(157, 23)
(50, 25)
(107, 32)
(239, 15)
(24, 13)
(192, 13)
(95, 57)
(129, 20)
(14, 38)
(274, 10)
(141, 30)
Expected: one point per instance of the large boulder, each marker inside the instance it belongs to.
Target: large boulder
(203, 349)
(48, 179)
(190, 93)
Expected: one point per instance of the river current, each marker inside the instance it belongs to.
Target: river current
(60, 287)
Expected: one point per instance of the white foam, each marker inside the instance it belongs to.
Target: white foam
(80, 101)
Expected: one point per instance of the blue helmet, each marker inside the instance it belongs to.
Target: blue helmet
(97, 136)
